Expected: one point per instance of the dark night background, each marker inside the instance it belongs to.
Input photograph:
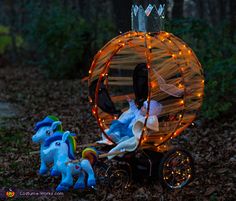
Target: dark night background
(46, 48)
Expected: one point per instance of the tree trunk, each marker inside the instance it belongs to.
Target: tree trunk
(122, 10)
(201, 8)
(232, 7)
(177, 11)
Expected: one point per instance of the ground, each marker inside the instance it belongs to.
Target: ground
(26, 97)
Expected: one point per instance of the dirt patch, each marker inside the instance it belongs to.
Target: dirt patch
(7, 111)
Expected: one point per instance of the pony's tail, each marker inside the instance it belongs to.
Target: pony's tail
(90, 154)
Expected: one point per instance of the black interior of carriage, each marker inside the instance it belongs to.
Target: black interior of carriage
(140, 87)
(104, 100)
(140, 84)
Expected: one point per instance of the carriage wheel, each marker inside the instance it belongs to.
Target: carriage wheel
(119, 177)
(176, 169)
(102, 180)
(101, 174)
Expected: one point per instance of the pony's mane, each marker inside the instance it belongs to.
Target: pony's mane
(71, 146)
(54, 118)
(47, 121)
(71, 143)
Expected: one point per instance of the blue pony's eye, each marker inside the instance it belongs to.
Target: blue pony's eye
(48, 132)
(58, 143)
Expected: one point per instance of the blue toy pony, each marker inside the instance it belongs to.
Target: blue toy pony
(62, 151)
(44, 129)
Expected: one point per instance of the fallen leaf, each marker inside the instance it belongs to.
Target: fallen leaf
(209, 191)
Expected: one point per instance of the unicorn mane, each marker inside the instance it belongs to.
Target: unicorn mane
(71, 146)
(54, 118)
(71, 143)
(47, 121)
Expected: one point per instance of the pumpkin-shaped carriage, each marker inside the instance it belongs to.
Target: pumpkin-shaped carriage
(165, 80)
(148, 67)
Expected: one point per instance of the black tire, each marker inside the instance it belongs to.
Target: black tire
(101, 174)
(102, 181)
(119, 177)
(176, 169)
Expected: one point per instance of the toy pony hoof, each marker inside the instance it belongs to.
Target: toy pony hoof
(66, 184)
(54, 173)
(79, 185)
(91, 182)
(43, 171)
(61, 188)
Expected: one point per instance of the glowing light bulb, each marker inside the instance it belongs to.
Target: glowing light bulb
(94, 111)
(181, 102)
(153, 84)
(174, 56)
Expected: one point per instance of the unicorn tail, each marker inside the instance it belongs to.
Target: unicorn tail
(90, 154)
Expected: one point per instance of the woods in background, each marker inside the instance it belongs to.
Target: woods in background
(62, 36)
(105, 18)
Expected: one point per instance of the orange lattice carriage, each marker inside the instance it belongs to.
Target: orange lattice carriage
(174, 74)
(147, 66)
